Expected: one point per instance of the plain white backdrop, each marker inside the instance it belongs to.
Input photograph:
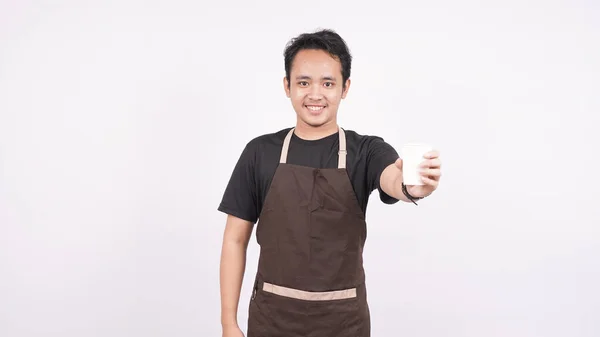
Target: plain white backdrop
(121, 121)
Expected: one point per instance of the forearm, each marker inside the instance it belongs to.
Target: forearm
(391, 182)
(233, 265)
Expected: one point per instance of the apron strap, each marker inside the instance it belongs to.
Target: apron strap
(286, 146)
(341, 153)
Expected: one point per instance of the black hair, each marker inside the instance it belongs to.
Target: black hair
(324, 39)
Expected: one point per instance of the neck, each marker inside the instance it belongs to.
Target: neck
(308, 132)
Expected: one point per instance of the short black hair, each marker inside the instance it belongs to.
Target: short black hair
(324, 39)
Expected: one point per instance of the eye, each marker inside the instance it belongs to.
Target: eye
(302, 83)
(329, 84)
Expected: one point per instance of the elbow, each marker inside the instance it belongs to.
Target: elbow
(237, 232)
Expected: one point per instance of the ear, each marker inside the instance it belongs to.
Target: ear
(286, 86)
(346, 89)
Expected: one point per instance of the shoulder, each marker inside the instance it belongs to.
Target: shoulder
(273, 138)
(355, 135)
(371, 149)
(267, 140)
(365, 143)
(262, 149)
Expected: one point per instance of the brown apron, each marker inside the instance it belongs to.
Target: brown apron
(310, 280)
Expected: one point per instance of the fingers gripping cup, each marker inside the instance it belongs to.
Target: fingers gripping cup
(412, 156)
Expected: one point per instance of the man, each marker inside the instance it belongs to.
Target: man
(307, 189)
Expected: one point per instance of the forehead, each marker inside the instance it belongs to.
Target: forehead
(316, 62)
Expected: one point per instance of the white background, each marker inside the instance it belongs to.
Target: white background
(120, 123)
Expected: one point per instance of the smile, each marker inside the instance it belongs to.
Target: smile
(315, 108)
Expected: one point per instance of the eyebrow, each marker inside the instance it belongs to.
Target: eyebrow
(306, 77)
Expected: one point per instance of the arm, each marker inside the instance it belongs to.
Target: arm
(233, 263)
(391, 182)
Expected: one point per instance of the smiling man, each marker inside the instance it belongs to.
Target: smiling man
(307, 187)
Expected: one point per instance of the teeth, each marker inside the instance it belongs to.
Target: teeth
(315, 108)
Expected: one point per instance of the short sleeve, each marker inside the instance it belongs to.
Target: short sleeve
(240, 196)
(380, 156)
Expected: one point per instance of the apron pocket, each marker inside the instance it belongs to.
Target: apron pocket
(276, 311)
(309, 296)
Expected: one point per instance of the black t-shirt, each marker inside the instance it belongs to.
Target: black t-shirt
(367, 157)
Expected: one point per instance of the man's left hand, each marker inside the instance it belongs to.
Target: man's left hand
(430, 170)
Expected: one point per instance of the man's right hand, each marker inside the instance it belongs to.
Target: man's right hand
(232, 331)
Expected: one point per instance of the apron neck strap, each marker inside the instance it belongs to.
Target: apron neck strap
(341, 153)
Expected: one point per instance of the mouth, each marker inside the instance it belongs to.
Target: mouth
(315, 109)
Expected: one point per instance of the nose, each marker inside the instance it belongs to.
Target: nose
(315, 92)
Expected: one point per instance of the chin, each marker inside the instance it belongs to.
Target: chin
(315, 121)
(312, 118)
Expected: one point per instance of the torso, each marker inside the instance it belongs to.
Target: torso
(366, 158)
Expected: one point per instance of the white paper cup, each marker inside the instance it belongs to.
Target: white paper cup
(412, 155)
